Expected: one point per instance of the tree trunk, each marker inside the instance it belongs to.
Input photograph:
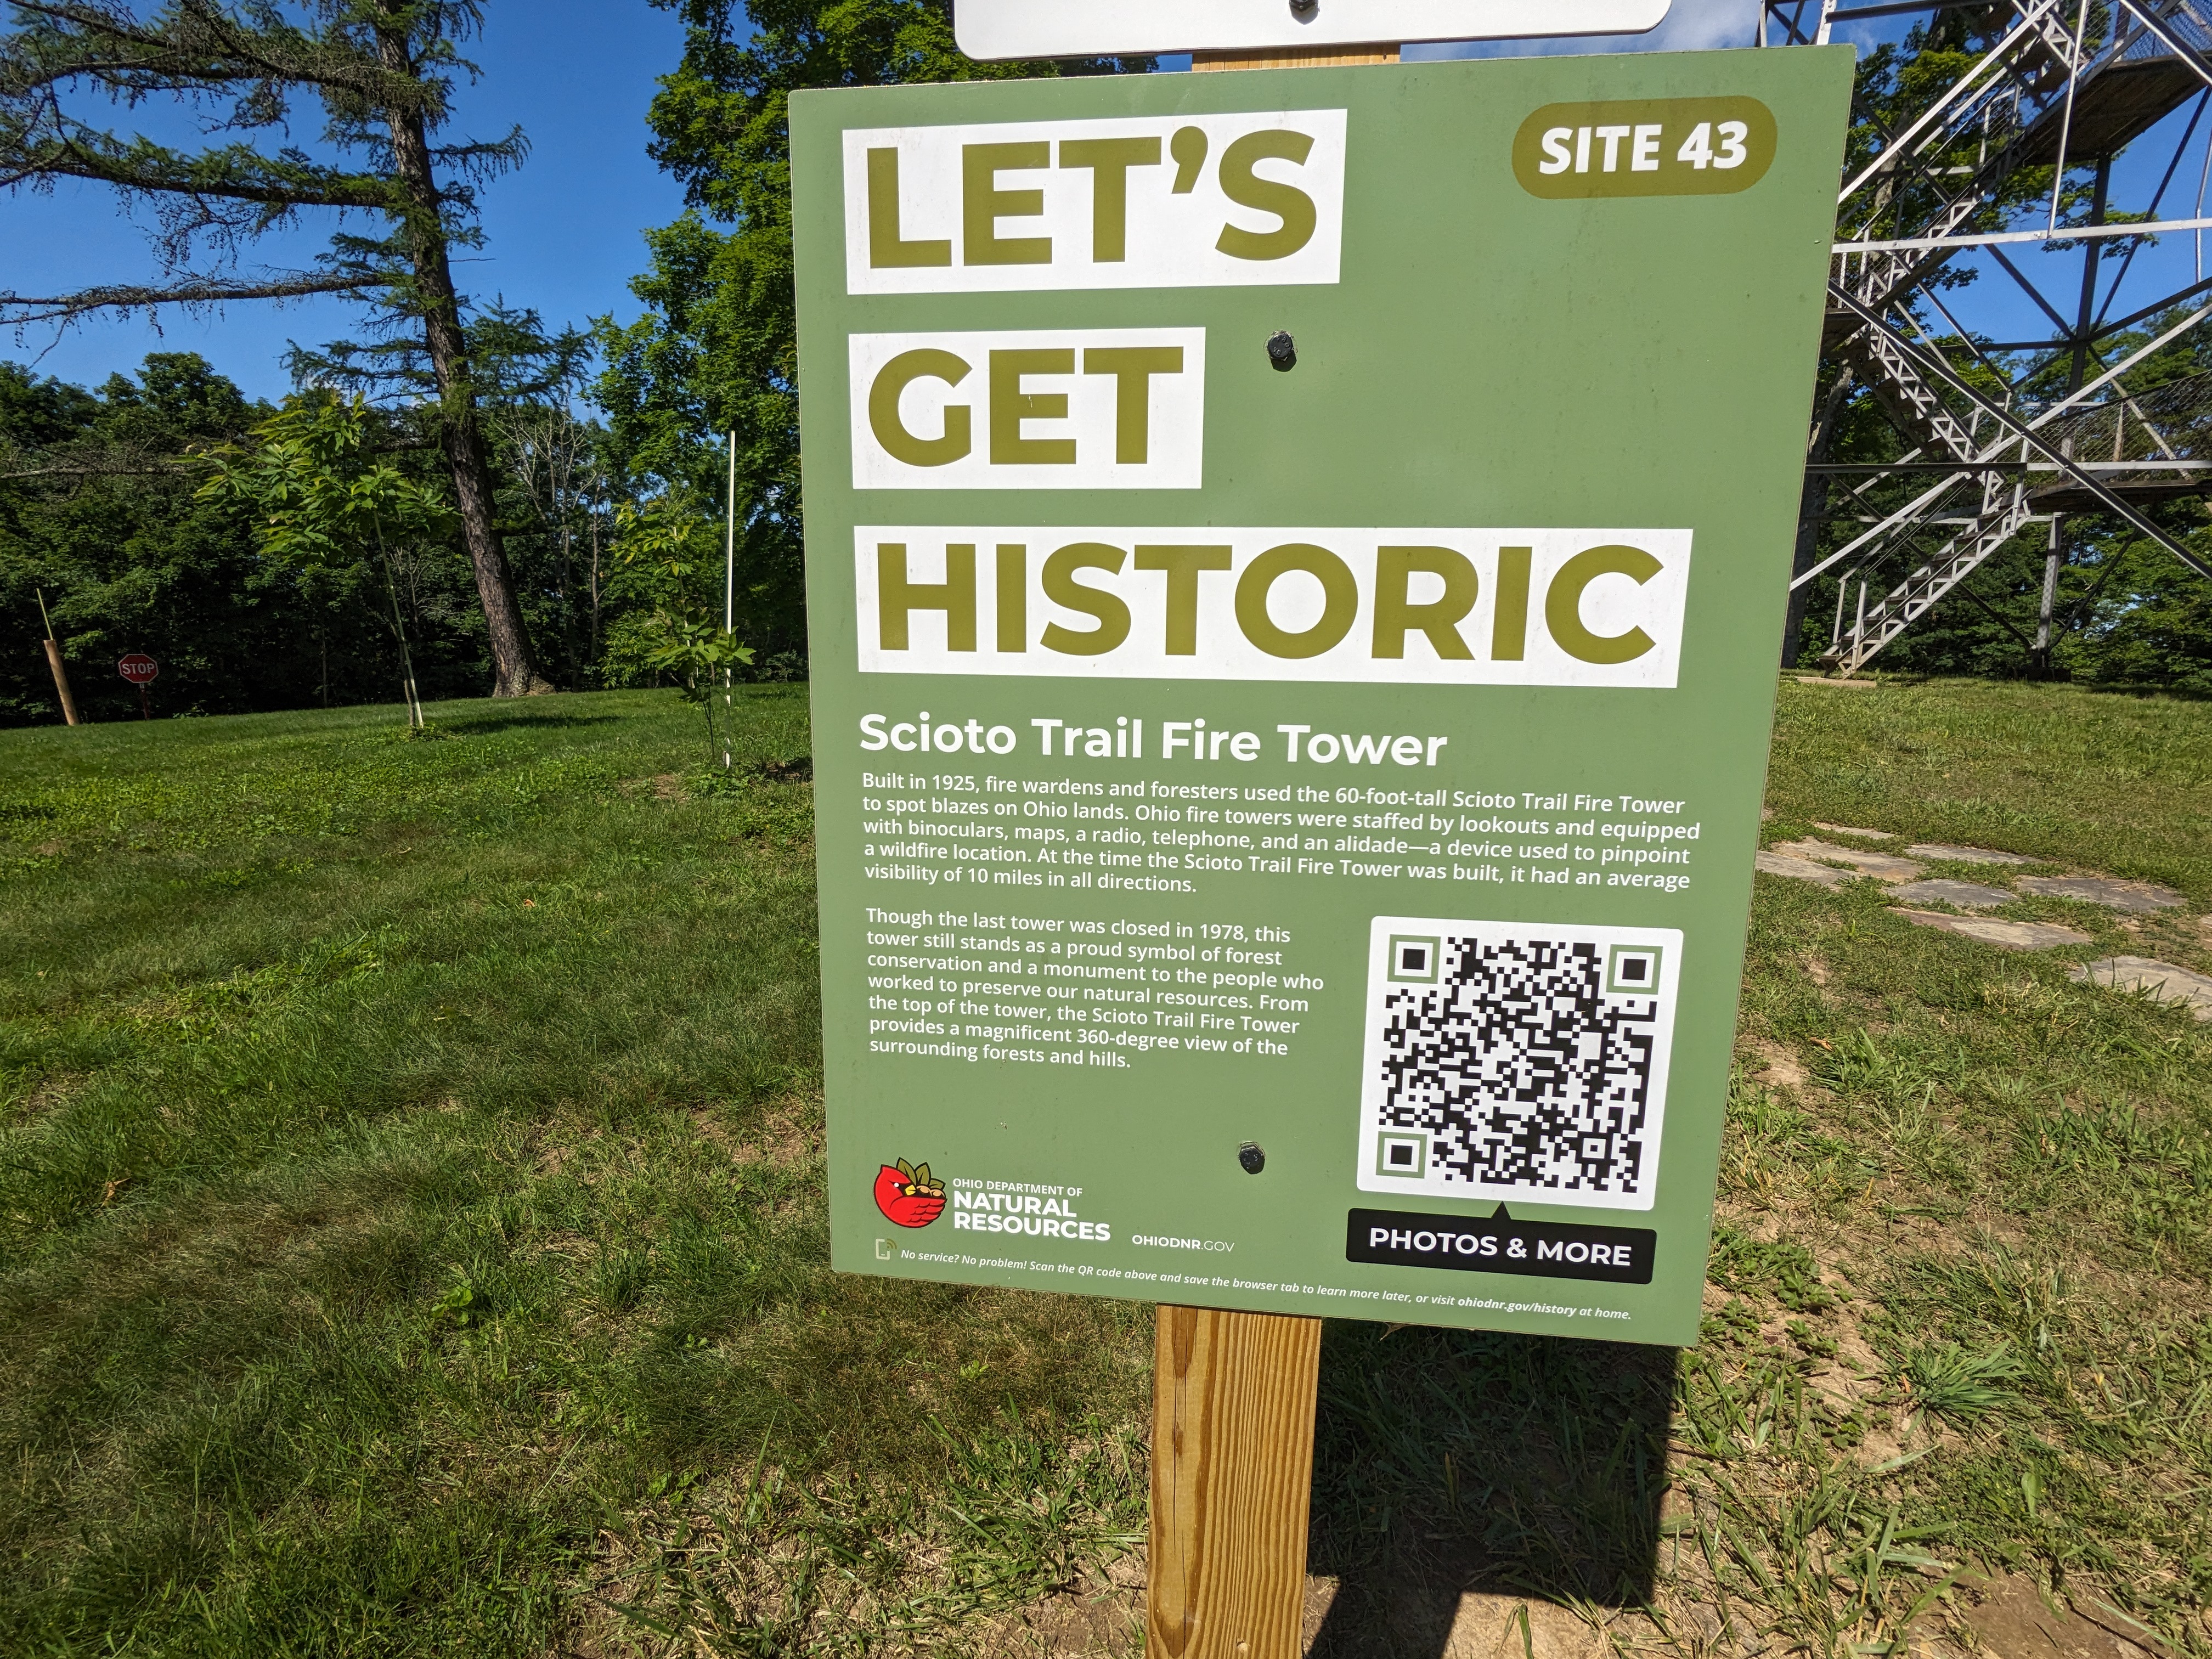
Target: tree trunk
(515, 665)
(2039, 655)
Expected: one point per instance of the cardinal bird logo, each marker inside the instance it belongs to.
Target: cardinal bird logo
(907, 1195)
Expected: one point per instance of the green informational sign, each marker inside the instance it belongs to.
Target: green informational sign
(1295, 563)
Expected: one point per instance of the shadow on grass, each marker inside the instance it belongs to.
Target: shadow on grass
(2146, 693)
(475, 724)
(1455, 1461)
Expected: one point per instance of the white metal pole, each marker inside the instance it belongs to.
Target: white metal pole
(730, 601)
(2203, 177)
(2066, 122)
(730, 548)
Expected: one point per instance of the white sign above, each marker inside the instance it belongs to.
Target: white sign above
(1112, 29)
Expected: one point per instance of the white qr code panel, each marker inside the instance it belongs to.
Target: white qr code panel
(1517, 1059)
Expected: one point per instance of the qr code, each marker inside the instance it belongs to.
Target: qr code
(1517, 1060)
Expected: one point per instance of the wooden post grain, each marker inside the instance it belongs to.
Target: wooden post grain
(1232, 1478)
(1294, 58)
(61, 680)
(54, 661)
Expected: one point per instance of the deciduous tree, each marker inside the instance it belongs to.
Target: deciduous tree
(717, 352)
(327, 508)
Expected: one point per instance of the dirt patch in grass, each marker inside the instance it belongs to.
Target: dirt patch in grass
(1776, 1065)
(1030, 1556)
(787, 1131)
(1102, 1617)
(2015, 1617)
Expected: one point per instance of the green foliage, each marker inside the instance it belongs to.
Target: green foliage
(270, 589)
(322, 508)
(669, 557)
(699, 654)
(556, 484)
(1781, 1268)
(2158, 633)
(514, 360)
(717, 352)
(320, 502)
(672, 553)
(98, 508)
(1958, 1384)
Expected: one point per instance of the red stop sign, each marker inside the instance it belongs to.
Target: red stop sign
(138, 669)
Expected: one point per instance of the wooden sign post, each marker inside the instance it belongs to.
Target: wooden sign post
(54, 662)
(1234, 1397)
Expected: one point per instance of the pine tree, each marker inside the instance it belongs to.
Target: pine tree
(383, 72)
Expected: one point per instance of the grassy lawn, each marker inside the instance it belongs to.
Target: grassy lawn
(2002, 1179)
(411, 1235)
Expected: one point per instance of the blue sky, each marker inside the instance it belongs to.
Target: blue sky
(1691, 25)
(564, 233)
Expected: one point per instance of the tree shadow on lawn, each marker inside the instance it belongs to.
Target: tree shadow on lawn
(1455, 1461)
(481, 725)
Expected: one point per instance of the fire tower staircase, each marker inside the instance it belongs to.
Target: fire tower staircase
(2061, 87)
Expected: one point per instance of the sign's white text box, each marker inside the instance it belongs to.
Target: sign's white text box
(1550, 606)
(1196, 201)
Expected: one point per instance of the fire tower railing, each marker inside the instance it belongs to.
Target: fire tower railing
(1987, 451)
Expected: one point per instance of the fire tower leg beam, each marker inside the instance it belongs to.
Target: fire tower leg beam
(1932, 364)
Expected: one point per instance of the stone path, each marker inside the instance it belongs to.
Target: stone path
(1826, 863)
(1797, 869)
(2135, 897)
(1942, 854)
(2160, 981)
(1882, 866)
(2011, 935)
(1965, 895)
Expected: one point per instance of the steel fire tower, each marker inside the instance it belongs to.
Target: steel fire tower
(2002, 439)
